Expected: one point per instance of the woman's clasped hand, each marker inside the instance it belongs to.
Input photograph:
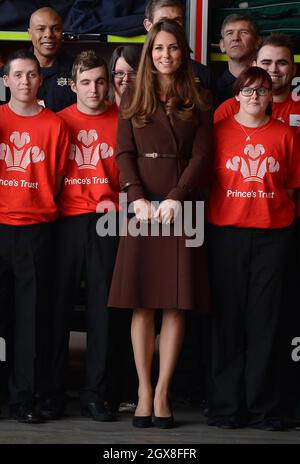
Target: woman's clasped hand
(166, 213)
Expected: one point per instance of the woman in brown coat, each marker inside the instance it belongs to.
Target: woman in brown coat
(162, 155)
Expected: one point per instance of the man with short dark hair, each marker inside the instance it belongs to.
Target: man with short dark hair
(239, 40)
(276, 56)
(34, 144)
(157, 10)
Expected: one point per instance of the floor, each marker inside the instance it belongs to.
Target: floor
(190, 427)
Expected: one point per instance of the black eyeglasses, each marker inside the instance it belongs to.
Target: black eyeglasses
(122, 74)
(249, 91)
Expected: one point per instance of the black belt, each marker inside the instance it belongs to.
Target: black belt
(157, 155)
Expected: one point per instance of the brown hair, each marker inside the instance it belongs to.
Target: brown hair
(277, 39)
(250, 75)
(86, 60)
(184, 98)
(22, 54)
(235, 17)
(154, 5)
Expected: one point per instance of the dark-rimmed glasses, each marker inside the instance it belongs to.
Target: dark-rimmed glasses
(249, 91)
(122, 74)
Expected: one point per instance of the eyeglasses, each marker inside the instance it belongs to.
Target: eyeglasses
(249, 91)
(122, 74)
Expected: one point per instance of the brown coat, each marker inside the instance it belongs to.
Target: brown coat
(161, 272)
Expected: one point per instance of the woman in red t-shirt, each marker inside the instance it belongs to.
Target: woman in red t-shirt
(250, 213)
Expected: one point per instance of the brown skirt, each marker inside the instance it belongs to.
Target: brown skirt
(160, 273)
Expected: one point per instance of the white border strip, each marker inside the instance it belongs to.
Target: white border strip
(192, 25)
(204, 31)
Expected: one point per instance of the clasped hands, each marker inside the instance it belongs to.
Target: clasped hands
(166, 213)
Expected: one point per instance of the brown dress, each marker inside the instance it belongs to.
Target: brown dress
(161, 272)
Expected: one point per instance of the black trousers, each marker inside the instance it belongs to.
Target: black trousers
(78, 248)
(6, 327)
(290, 331)
(26, 267)
(248, 269)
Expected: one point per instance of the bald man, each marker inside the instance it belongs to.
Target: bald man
(46, 32)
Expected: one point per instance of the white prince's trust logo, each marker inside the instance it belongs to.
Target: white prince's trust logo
(18, 155)
(254, 165)
(87, 153)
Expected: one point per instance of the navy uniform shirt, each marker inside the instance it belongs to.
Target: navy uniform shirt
(224, 87)
(55, 92)
(204, 75)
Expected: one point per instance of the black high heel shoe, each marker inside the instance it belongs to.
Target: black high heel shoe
(142, 421)
(163, 422)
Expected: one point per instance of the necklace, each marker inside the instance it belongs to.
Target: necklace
(248, 136)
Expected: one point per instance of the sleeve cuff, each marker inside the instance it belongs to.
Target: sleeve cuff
(178, 194)
(134, 192)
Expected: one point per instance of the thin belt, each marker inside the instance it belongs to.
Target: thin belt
(157, 155)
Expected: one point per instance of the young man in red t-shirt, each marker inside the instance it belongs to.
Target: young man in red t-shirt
(91, 178)
(34, 144)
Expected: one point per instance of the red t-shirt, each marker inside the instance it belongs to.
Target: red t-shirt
(33, 152)
(287, 111)
(251, 176)
(227, 108)
(91, 176)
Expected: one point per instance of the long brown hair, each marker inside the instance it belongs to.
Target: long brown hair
(184, 98)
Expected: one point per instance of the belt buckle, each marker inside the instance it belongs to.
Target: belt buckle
(151, 155)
